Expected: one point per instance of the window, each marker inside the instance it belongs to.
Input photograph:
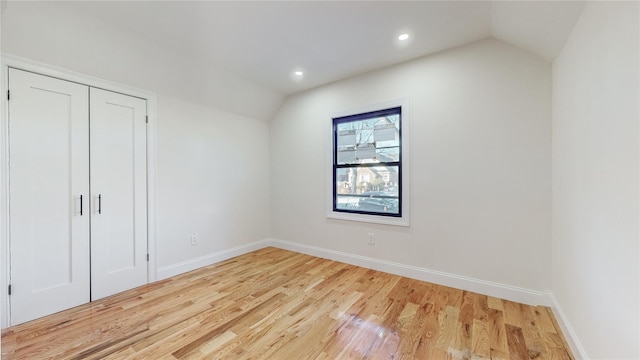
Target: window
(367, 163)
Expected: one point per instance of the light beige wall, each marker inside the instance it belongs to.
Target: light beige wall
(212, 180)
(480, 165)
(596, 101)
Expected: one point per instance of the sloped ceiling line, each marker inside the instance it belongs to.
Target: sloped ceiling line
(266, 41)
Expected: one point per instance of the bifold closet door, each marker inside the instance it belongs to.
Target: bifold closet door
(118, 192)
(48, 195)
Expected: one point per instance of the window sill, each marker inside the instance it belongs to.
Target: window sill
(374, 219)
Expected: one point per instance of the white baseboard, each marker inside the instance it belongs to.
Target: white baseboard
(193, 264)
(502, 291)
(567, 330)
(508, 292)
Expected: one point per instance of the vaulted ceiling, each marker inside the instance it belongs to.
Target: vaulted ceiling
(266, 41)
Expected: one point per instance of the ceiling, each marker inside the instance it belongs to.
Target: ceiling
(266, 41)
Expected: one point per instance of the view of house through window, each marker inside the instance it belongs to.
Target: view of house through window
(367, 163)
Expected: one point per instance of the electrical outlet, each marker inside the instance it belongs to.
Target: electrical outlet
(194, 239)
(372, 238)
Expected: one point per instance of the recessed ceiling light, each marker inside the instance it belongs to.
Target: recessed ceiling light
(403, 37)
(297, 74)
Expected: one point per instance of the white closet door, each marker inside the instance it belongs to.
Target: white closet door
(118, 193)
(49, 171)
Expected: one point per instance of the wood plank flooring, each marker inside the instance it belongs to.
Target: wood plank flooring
(276, 304)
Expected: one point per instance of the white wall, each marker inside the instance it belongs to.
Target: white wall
(480, 167)
(213, 180)
(213, 137)
(595, 180)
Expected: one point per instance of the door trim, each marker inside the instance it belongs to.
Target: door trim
(10, 61)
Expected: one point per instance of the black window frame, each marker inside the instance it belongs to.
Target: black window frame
(396, 110)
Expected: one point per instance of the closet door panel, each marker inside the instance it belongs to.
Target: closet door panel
(118, 193)
(49, 171)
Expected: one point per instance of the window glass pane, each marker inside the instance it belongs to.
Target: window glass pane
(368, 189)
(369, 140)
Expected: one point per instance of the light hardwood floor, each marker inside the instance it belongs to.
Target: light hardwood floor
(276, 304)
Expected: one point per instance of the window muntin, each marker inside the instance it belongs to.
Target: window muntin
(367, 163)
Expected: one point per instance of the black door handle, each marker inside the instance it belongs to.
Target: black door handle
(99, 204)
